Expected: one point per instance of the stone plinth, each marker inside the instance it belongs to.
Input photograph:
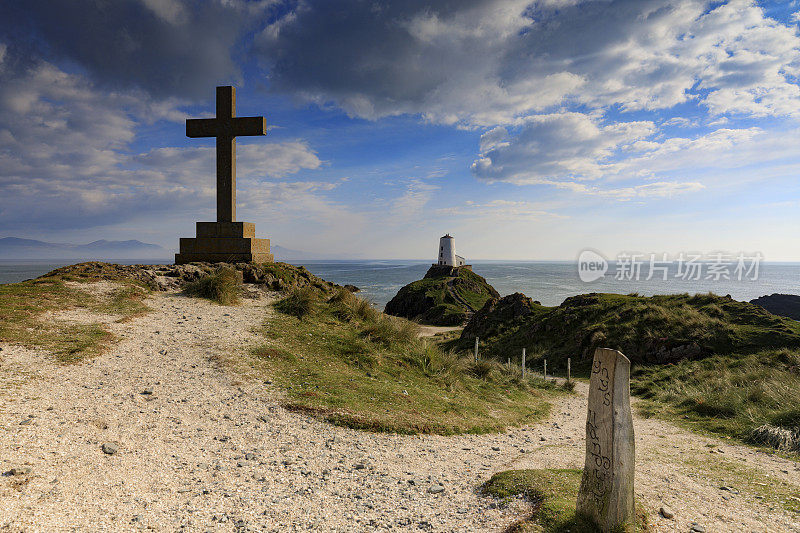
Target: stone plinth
(224, 242)
(606, 492)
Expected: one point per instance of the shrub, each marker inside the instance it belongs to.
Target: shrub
(300, 302)
(223, 286)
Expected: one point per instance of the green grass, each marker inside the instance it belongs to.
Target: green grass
(299, 302)
(728, 395)
(347, 363)
(648, 330)
(553, 493)
(223, 286)
(429, 300)
(22, 306)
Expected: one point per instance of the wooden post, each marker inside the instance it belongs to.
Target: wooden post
(569, 363)
(508, 362)
(606, 492)
(545, 369)
(523, 363)
(476, 349)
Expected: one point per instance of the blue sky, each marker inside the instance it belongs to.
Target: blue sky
(529, 130)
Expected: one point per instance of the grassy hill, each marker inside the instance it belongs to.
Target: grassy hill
(708, 361)
(339, 358)
(446, 296)
(656, 329)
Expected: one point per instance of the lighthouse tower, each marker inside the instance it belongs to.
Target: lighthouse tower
(447, 252)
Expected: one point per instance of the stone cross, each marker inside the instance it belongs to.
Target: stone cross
(606, 492)
(225, 240)
(226, 127)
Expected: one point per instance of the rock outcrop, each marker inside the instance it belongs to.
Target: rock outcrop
(787, 305)
(446, 296)
(499, 313)
(269, 276)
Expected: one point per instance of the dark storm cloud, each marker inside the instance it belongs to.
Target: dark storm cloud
(166, 47)
(342, 45)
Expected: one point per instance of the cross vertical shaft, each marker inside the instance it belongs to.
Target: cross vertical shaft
(225, 127)
(226, 155)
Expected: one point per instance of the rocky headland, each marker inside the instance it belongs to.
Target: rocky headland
(446, 296)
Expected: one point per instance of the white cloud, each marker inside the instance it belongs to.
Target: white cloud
(413, 200)
(661, 189)
(172, 11)
(549, 147)
(680, 122)
(253, 161)
(66, 161)
(500, 210)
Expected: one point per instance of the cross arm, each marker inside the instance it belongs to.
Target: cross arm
(249, 126)
(201, 127)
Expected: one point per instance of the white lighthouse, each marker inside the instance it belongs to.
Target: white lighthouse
(447, 252)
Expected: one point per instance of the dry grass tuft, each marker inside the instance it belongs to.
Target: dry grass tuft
(299, 302)
(787, 440)
(223, 286)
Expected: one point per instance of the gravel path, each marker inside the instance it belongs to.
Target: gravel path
(200, 451)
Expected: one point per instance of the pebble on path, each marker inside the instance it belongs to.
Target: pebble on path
(109, 448)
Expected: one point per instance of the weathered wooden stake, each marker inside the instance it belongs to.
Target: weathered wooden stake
(476, 349)
(508, 362)
(606, 492)
(523, 363)
(545, 369)
(569, 364)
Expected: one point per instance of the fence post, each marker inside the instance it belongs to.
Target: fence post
(569, 377)
(545, 369)
(523, 363)
(476, 349)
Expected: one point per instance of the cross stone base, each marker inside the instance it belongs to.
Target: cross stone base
(224, 242)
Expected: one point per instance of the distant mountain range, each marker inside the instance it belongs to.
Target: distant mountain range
(15, 248)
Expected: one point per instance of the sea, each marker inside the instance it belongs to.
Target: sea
(548, 282)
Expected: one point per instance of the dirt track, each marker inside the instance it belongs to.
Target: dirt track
(200, 451)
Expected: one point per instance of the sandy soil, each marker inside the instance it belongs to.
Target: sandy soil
(200, 451)
(430, 331)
